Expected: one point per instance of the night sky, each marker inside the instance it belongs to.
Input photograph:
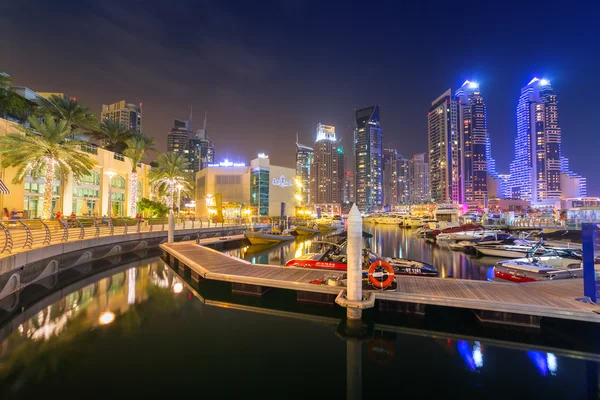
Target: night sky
(266, 70)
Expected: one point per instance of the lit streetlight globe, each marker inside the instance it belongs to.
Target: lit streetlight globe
(178, 287)
(106, 318)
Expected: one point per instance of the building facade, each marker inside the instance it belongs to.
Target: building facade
(326, 183)
(348, 187)
(403, 168)
(474, 144)
(239, 190)
(368, 154)
(419, 179)
(444, 150)
(106, 190)
(202, 150)
(304, 159)
(390, 177)
(536, 169)
(178, 138)
(127, 114)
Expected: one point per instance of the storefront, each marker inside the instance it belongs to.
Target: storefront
(86, 195)
(33, 199)
(119, 184)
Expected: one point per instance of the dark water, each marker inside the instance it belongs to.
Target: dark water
(167, 339)
(388, 241)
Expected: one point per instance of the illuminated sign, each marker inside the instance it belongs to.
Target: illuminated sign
(227, 163)
(282, 181)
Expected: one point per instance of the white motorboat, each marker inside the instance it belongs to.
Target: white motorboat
(518, 248)
(468, 246)
(267, 237)
(555, 264)
(474, 235)
(390, 219)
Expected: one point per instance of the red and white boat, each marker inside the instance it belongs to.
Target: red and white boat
(556, 264)
(334, 258)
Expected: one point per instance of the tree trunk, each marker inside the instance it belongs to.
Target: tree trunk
(48, 186)
(133, 193)
(171, 194)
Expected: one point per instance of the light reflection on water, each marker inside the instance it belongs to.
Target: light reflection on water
(161, 325)
(388, 241)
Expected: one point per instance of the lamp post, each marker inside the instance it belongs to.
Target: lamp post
(179, 187)
(110, 175)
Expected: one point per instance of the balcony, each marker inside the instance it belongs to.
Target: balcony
(119, 157)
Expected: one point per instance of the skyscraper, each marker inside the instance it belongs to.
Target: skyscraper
(202, 149)
(444, 150)
(129, 115)
(304, 159)
(348, 187)
(535, 171)
(390, 177)
(403, 168)
(474, 142)
(178, 139)
(419, 179)
(368, 152)
(325, 183)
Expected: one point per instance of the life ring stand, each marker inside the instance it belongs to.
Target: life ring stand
(373, 275)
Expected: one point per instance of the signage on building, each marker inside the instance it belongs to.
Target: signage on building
(282, 181)
(227, 163)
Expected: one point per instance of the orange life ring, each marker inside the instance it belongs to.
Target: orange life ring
(377, 264)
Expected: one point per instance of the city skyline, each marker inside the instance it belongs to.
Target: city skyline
(238, 97)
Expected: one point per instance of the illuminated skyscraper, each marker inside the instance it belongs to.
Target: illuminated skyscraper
(348, 187)
(304, 159)
(444, 150)
(474, 143)
(202, 149)
(535, 171)
(419, 179)
(368, 151)
(178, 139)
(326, 182)
(129, 115)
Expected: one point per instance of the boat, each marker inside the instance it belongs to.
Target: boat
(333, 257)
(432, 236)
(447, 212)
(415, 222)
(554, 265)
(473, 236)
(256, 237)
(468, 246)
(305, 230)
(518, 248)
(390, 219)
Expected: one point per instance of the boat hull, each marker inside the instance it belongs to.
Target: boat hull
(266, 238)
(501, 253)
(302, 230)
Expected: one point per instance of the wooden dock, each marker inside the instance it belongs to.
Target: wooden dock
(555, 299)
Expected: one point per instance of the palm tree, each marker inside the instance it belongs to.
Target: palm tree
(11, 104)
(171, 170)
(77, 116)
(136, 150)
(44, 150)
(114, 135)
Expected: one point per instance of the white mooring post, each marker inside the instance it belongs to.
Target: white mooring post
(171, 228)
(354, 253)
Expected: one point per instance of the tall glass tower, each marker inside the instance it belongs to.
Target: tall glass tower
(474, 142)
(325, 179)
(368, 152)
(535, 171)
(444, 144)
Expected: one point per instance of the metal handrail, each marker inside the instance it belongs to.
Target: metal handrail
(29, 233)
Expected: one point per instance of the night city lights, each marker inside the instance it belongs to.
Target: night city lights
(232, 200)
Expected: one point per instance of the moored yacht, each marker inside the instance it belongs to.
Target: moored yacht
(468, 246)
(555, 264)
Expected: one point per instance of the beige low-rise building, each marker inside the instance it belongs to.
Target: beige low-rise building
(86, 197)
(241, 190)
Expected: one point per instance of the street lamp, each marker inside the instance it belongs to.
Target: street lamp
(179, 187)
(110, 175)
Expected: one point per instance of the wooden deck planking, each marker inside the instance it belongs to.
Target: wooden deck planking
(556, 299)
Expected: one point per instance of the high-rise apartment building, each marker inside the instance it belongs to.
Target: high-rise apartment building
(178, 139)
(474, 144)
(348, 187)
(368, 153)
(326, 185)
(129, 115)
(390, 177)
(304, 159)
(202, 149)
(535, 171)
(444, 150)
(419, 179)
(403, 186)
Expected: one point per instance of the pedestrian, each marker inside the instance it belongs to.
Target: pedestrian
(5, 214)
(58, 215)
(13, 214)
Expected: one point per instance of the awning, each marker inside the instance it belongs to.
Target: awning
(3, 188)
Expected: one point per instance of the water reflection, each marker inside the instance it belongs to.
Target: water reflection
(148, 320)
(388, 241)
